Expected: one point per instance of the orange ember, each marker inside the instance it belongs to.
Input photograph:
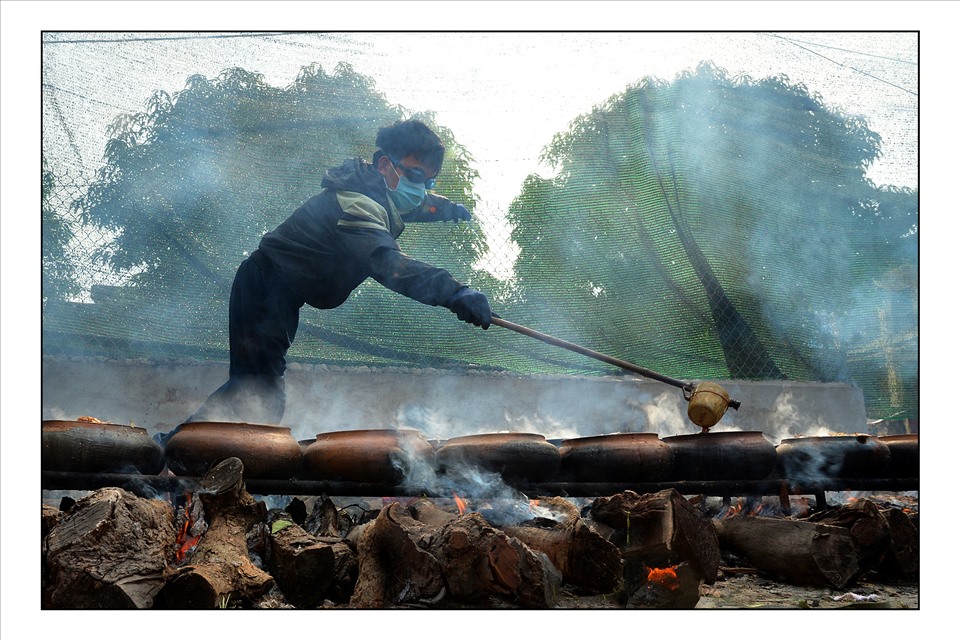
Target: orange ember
(186, 542)
(461, 504)
(666, 577)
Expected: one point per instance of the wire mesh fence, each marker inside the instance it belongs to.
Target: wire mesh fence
(705, 226)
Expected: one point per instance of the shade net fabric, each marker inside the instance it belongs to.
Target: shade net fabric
(700, 218)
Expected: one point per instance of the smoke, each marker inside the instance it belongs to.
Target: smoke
(482, 490)
(427, 420)
(666, 414)
(810, 464)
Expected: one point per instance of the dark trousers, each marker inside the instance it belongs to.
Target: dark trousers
(264, 316)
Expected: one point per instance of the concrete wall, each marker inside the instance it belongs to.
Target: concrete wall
(443, 404)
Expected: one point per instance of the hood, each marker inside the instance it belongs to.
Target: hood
(357, 175)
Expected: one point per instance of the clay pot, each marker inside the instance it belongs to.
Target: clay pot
(267, 452)
(618, 457)
(723, 455)
(708, 404)
(904, 455)
(515, 456)
(379, 456)
(87, 447)
(814, 458)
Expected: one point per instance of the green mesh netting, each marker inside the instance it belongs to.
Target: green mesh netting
(705, 226)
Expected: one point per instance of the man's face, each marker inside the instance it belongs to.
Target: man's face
(407, 167)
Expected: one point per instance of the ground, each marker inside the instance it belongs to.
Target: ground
(752, 591)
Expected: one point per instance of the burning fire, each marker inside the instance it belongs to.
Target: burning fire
(461, 504)
(742, 508)
(185, 541)
(666, 577)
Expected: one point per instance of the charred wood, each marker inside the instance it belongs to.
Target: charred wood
(676, 587)
(345, 569)
(902, 559)
(660, 529)
(324, 519)
(297, 510)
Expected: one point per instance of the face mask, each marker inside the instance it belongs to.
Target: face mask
(408, 195)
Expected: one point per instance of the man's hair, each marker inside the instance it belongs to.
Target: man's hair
(410, 138)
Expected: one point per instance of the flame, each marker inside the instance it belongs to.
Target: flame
(461, 504)
(740, 509)
(534, 503)
(666, 577)
(731, 511)
(186, 542)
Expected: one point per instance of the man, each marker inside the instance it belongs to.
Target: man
(322, 252)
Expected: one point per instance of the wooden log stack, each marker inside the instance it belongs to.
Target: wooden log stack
(652, 550)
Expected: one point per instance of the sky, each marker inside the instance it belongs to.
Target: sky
(540, 64)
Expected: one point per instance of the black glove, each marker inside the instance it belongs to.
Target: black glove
(437, 209)
(470, 306)
(457, 213)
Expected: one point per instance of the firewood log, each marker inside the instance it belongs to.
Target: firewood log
(302, 566)
(802, 553)
(110, 552)
(50, 517)
(479, 560)
(902, 559)
(324, 520)
(660, 529)
(427, 512)
(392, 569)
(345, 569)
(220, 570)
(584, 558)
(407, 562)
(680, 589)
(868, 529)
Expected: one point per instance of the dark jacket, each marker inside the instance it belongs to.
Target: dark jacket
(344, 235)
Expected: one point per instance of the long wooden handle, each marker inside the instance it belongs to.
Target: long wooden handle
(596, 355)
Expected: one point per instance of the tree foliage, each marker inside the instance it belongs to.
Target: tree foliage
(717, 227)
(191, 184)
(58, 270)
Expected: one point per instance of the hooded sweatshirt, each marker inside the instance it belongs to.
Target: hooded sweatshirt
(346, 234)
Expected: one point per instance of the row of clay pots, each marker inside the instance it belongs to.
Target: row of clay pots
(387, 456)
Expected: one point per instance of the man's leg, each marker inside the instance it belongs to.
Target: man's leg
(263, 324)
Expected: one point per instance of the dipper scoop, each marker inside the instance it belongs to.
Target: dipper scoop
(708, 401)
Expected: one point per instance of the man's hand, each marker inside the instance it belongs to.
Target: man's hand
(458, 213)
(470, 306)
(438, 209)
